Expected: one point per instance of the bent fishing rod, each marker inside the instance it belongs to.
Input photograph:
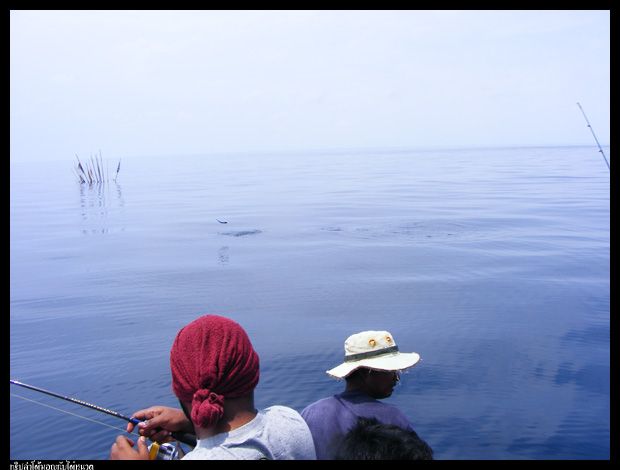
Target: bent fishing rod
(592, 130)
(185, 438)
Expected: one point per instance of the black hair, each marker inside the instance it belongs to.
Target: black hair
(371, 440)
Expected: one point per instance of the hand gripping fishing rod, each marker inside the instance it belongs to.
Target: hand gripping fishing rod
(185, 438)
(592, 130)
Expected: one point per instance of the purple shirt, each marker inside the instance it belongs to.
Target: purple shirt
(332, 417)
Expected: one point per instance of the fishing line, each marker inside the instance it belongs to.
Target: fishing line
(156, 451)
(67, 412)
(592, 130)
(76, 401)
(185, 438)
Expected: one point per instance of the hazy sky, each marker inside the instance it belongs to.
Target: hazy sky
(189, 82)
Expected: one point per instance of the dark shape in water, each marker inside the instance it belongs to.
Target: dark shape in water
(242, 233)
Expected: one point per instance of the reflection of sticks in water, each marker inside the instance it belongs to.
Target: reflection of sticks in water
(93, 172)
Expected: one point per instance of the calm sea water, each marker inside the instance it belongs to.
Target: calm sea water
(493, 264)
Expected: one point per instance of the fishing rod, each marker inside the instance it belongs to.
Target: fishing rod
(592, 130)
(185, 438)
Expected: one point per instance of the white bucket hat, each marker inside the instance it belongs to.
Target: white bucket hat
(374, 350)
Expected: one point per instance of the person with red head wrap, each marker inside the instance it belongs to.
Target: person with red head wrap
(214, 371)
(212, 359)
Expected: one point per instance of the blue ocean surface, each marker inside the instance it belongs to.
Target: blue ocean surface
(491, 263)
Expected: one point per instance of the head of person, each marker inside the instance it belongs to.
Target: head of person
(212, 359)
(372, 363)
(371, 440)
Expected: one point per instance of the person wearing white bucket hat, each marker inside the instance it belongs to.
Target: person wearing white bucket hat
(375, 350)
(371, 367)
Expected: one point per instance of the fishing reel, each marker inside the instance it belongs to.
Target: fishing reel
(164, 451)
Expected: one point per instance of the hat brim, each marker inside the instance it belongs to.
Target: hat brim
(390, 362)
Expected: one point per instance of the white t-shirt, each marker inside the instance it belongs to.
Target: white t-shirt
(276, 433)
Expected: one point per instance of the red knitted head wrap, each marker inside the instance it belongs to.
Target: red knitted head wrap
(212, 359)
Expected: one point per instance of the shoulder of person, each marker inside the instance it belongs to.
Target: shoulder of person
(283, 412)
(284, 419)
(288, 433)
(319, 406)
